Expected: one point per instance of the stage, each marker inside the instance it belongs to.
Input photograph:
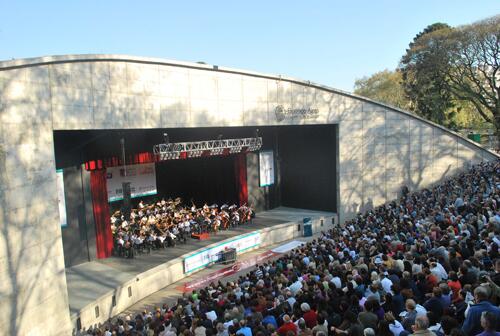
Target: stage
(101, 289)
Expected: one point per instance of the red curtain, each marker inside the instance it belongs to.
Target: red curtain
(240, 166)
(104, 237)
(137, 158)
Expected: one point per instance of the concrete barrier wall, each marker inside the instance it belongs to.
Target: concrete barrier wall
(380, 149)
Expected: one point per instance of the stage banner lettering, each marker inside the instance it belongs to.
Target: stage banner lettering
(142, 178)
(61, 198)
(209, 255)
(266, 168)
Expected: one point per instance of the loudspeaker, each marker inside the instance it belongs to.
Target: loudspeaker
(127, 206)
(333, 220)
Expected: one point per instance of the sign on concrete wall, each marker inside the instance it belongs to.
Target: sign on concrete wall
(266, 168)
(142, 178)
(61, 198)
(209, 255)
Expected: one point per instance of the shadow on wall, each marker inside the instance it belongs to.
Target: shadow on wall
(32, 285)
(422, 162)
(386, 154)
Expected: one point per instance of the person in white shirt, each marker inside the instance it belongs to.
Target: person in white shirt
(438, 270)
(336, 281)
(187, 226)
(120, 241)
(211, 315)
(290, 299)
(296, 286)
(386, 282)
(421, 311)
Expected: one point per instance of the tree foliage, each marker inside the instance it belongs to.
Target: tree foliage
(384, 86)
(473, 74)
(460, 64)
(448, 75)
(423, 69)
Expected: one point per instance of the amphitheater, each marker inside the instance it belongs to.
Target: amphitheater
(353, 154)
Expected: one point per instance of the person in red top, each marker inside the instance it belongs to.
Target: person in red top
(431, 279)
(310, 316)
(287, 326)
(455, 286)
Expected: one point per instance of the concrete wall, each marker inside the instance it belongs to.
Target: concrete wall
(381, 149)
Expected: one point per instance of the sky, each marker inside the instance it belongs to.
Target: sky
(328, 42)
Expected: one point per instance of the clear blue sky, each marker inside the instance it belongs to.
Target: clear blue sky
(329, 42)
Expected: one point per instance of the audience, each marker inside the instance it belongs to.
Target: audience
(425, 264)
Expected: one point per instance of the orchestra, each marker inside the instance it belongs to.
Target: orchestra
(167, 222)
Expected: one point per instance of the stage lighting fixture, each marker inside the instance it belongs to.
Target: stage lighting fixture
(174, 151)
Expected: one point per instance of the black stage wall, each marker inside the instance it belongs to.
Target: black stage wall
(307, 156)
(211, 180)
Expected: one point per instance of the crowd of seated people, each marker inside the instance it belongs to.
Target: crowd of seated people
(163, 223)
(425, 264)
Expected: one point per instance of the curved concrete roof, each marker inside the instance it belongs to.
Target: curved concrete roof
(59, 59)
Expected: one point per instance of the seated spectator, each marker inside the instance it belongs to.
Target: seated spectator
(410, 315)
(433, 304)
(310, 317)
(489, 322)
(394, 325)
(472, 323)
(421, 327)
(367, 318)
(287, 326)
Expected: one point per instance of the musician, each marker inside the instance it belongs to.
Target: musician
(175, 231)
(216, 222)
(167, 221)
(224, 219)
(235, 217)
(170, 238)
(182, 234)
(187, 226)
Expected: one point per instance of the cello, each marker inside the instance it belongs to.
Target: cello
(225, 220)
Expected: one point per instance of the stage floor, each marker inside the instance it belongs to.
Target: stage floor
(89, 281)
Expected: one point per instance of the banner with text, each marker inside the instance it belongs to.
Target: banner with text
(61, 198)
(266, 168)
(209, 255)
(142, 178)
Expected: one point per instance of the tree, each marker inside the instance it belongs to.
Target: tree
(384, 86)
(423, 70)
(473, 75)
(465, 116)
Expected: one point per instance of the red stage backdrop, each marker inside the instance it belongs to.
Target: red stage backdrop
(104, 237)
(240, 165)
